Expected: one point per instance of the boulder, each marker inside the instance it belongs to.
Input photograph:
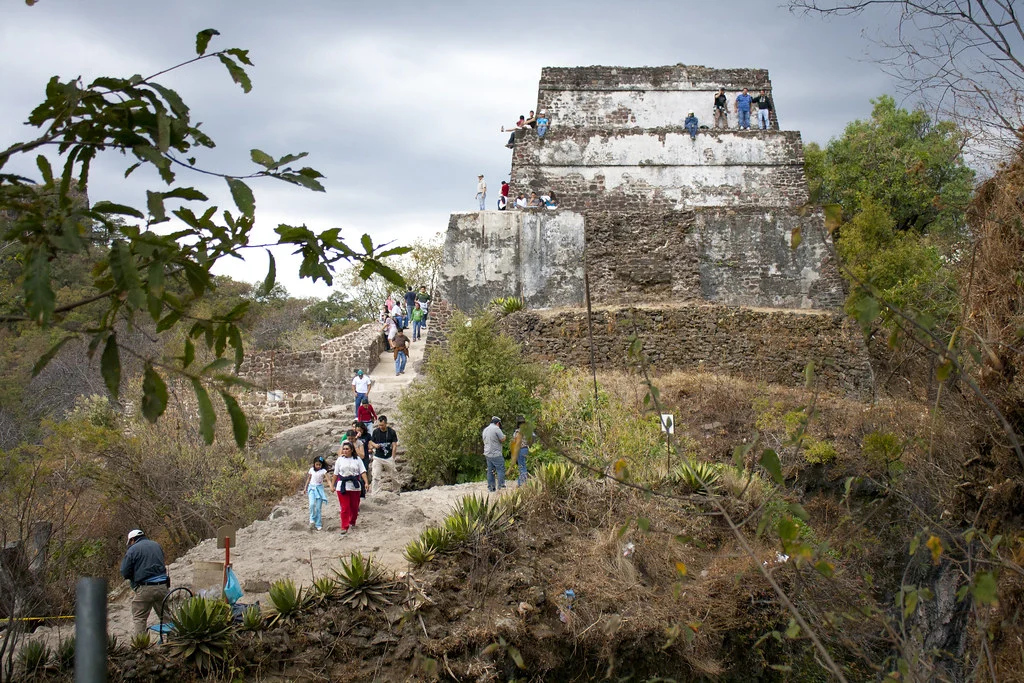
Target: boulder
(304, 442)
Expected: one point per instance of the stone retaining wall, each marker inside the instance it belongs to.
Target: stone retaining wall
(758, 344)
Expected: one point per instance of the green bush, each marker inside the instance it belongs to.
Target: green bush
(286, 598)
(65, 655)
(508, 304)
(481, 373)
(417, 553)
(883, 450)
(694, 474)
(819, 452)
(252, 619)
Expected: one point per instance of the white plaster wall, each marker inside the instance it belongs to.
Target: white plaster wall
(669, 149)
(647, 109)
(482, 247)
(687, 186)
(551, 254)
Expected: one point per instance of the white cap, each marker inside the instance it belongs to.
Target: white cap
(133, 534)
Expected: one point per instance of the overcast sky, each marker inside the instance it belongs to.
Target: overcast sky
(400, 103)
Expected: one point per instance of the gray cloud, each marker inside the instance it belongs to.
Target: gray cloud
(400, 103)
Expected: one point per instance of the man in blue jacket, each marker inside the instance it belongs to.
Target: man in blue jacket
(144, 566)
(743, 101)
(690, 124)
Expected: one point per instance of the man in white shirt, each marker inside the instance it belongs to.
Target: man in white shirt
(361, 388)
(481, 191)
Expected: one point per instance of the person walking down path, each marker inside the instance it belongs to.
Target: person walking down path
(350, 484)
(143, 565)
(481, 191)
(493, 438)
(383, 440)
(314, 488)
(424, 300)
(366, 414)
(743, 101)
(764, 110)
(410, 300)
(417, 321)
(520, 449)
(361, 385)
(400, 349)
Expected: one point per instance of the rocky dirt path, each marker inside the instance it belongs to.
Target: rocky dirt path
(282, 546)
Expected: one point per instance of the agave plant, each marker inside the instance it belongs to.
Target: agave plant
(140, 641)
(418, 553)
(437, 537)
(34, 657)
(65, 655)
(324, 589)
(695, 474)
(202, 632)
(491, 515)
(252, 619)
(508, 304)
(555, 477)
(287, 599)
(463, 527)
(362, 583)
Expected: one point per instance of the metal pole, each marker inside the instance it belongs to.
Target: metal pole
(91, 631)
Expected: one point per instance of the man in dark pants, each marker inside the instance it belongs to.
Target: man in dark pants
(764, 110)
(144, 566)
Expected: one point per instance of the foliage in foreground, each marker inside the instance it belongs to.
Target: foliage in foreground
(482, 373)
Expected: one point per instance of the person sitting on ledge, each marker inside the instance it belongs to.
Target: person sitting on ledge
(690, 124)
(542, 124)
(535, 202)
(521, 201)
(512, 137)
(550, 201)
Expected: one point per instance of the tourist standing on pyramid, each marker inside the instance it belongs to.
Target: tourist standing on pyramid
(721, 109)
(743, 101)
(481, 190)
(764, 109)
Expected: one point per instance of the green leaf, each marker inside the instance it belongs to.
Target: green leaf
(985, 588)
(242, 194)
(793, 630)
(239, 423)
(798, 511)
(268, 282)
(203, 40)
(944, 370)
(809, 375)
(262, 158)
(788, 529)
(237, 73)
(39, 295)
(187, 193)
(155, 204)
(909, 600)
(513, 652)
(45, 169)
(833, 216)
(154, 395)
(915, 543)
(770, 461)
(207, 418)
(825, 568)
(867, 309)
(795, 238)
(189, 354)
(163, 132)
(110, 366)
(110, 207)
(643, 524)
(49, 355)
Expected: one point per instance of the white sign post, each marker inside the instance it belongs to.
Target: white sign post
(668, 423)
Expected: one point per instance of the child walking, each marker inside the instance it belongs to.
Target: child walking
(350, 483)
(315, 492)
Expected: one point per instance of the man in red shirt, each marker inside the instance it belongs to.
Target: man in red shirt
(366, 414)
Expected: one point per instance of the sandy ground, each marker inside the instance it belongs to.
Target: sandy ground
(283, 546)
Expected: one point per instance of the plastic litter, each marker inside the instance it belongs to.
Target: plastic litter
(628, 550)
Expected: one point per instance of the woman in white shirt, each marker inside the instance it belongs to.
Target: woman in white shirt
(315, 492)
(350, 483)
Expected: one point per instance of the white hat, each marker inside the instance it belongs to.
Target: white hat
(133, 534)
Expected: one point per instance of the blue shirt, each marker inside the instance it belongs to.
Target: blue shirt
(743, 101)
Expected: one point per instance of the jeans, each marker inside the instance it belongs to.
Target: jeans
(483, 200)
(541, 130)
(744, 119)
(317, 498)
(495, 467)
(417, 326)
(360, 399)
(692, 130)
(521, 461)
(400, 362)
(764, 118)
